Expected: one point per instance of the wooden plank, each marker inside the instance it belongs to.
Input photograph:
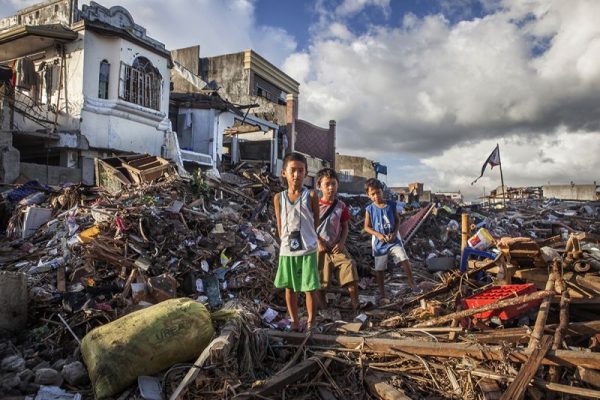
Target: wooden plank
(540, 321)
(217, 349)
(517, 388)
(61, 283)
(382, 390)
(589, 376)
(555, 372)
(422, 348)
(590, 281)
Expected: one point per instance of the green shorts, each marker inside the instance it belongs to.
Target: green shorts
(298, 273)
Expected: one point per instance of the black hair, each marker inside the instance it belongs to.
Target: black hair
(326, 173)
(373, 183)
(295, 157)
(402, 196)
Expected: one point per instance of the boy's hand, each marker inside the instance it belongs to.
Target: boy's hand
(390, 237)
(322, 247)
(338, 248)
(381, 237)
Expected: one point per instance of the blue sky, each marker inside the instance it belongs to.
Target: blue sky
(296, 16)
(428, 87)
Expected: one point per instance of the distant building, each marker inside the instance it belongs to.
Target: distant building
(589, 192)
(353, 172)
(497, 196)
(250, 82)
(455, 197)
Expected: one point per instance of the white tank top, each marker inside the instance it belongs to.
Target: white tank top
(297, 216)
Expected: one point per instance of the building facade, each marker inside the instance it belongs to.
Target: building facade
(85, 83)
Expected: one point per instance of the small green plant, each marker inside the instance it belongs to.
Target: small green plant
(199, 186)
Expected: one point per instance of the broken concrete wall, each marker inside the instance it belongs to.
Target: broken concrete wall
(571, 192)
(47, 12)
(50, 175)
(189, 59)
(227, 72)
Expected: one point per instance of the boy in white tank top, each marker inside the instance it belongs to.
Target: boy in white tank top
(297, 213)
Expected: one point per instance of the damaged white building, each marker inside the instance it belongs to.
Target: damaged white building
(78, 84)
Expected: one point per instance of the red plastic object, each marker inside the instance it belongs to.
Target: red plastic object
(497, 293)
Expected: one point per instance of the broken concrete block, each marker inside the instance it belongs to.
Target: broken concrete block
(9, 381)
(48, 376)
(13, 364)
(75, 374)
(26, 375)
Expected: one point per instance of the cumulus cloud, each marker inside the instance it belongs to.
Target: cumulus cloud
(525, 74)
(352, 7)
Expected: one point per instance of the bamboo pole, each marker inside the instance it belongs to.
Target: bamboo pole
(464, 231)
(540, 322)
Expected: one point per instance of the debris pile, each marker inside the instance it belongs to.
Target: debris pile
(519, 319)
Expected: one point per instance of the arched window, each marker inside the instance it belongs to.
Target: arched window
(103, 80)
(141, 83)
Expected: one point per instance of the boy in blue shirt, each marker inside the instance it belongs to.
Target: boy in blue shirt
(383, 223)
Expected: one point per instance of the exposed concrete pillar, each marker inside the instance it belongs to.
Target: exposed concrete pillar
(291, 117)
(332, 137)
(9, 160)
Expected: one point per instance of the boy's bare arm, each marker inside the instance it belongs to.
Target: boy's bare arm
(314, 203)
(369, 229)
(396, 223)
(277, 207)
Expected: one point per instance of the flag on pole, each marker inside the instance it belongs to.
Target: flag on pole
(493, 160)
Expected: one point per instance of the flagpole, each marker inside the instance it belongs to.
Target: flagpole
(502, 181)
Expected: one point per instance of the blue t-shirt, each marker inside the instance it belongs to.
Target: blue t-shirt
(400, 205)
(382, 221)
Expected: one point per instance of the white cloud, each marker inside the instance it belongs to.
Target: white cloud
(524, 75)
(557, 158)
(351, 7)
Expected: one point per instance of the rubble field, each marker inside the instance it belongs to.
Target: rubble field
(516, 316)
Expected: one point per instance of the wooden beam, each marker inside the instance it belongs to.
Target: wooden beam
(589, 281)
(218, 349)
(540, 322)
(589, 376)
(422, 348)
(521, 334)
(555, 372)
(517, 388)
(488, 307)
